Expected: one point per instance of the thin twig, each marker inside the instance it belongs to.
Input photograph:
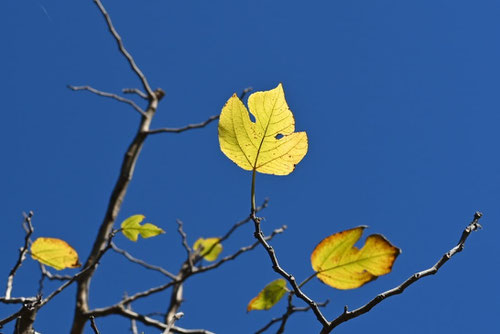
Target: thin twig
(22, 253)
(135, 91)
(155, 323)
(11, 317)
(133, 322)
(17, 300)
(239, 252)
(93, 325)
(259, 235)
(287, 314)
(195, 125)
(146, 265)
(110, 95)
(234, 228)
(53, 277)
(348, 315)
(124, 51)
(184, 128)
(185, 244)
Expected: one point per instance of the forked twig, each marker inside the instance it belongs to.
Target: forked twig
(110, 95)
(348, 315)
(22, 253)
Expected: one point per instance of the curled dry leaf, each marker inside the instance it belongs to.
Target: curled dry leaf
(341, 265)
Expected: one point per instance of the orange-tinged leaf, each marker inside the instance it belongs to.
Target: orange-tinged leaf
(269, 296)
(269, 145)
(55, 253)
(207, 249)
(341, 265)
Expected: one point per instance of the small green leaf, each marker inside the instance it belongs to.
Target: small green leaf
(204, 245)
(269, 296)
(131, 228)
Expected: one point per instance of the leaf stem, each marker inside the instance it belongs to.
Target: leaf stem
(253, 207)
(308, 279)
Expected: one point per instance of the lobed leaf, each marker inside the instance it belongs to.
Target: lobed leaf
(131, 228)
(55, 253)
(269, 145)
(269, 296)
(205, 245)
(341, 265)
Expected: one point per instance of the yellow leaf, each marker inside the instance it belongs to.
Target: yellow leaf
(269, 145)
(55, 253)
(204, 245)
(341, 265)
(269, 296)
(131, 228)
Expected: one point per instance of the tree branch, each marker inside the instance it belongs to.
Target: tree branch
(289, 311)
(135, 91)
(196, 125)
(259, 235)
(110, 95)
(124, 51)
(348, 315)
(22, 253)
(141, 262)
(93, 325)
(121, 186)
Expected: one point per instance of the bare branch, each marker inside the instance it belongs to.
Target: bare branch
(22, 253)
(172, 321)
(93, 325)
(259, 235)
(187, 127)
(141, 262)
(17, 300)
(135, 91)
(121, 186)
(100, 312)
(124, 51)
(244, 92)
(185, 244)
(290, 310)
(348, 315)
(155, 323)
(11, 317)
(133, 322)
(110, 95)
(196, 125)
(53, 277)
(235, 227)
(239, 252)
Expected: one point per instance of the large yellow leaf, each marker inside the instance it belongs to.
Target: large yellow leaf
(269, 145)
(205, 245)
(55, 253)
(269, 296)
(341, 265)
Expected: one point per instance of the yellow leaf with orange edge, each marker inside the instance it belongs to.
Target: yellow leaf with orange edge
(55, 253)
(341, 265)
(269, 145)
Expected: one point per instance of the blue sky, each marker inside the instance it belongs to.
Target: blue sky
(400, 103)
